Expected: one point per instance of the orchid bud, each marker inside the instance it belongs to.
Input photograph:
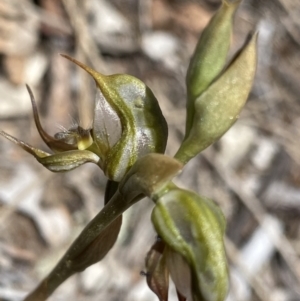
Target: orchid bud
(219, 106)
(193, 228)
(210, 55)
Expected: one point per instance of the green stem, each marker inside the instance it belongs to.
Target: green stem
(68, 266)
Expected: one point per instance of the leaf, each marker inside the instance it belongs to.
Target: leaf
(217, 109)
(101, 245)
(210, 55)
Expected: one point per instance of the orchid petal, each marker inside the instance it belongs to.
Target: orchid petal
(53, 143)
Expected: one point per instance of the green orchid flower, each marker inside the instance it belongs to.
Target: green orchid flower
(192, 228)
(128, 124)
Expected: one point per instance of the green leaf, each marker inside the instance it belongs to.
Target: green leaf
(210, 55)
(217, 109)
(99, 247)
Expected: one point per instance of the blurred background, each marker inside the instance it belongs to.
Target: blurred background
(252, 173)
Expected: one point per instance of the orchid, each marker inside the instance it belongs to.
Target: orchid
(127, 124)
(127, 141)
